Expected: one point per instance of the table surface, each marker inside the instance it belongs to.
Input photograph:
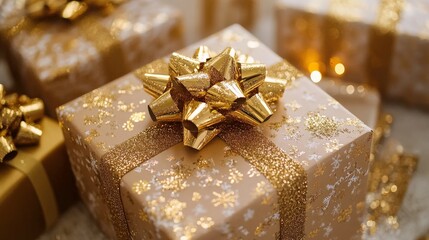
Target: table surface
(411, 128)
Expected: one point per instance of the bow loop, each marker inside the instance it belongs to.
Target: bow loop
(206, 90)
(67, 9)
(18, 116)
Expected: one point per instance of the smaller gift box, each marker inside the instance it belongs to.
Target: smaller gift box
(383, 43)
(58, 60)
(300, 173)
(36, 182)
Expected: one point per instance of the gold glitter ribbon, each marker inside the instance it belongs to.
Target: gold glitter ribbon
(106, 43)
(206, 90)
(382, 41)
(287, 176)
(389, 176)
(17, 127)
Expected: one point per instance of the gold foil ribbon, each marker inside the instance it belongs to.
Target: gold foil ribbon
(287, 176)
(38, 177)
(207, 90)
(18, 115)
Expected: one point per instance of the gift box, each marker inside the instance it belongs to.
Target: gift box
(59, 60)
(36, 185)
(383, 43)
(301, 173)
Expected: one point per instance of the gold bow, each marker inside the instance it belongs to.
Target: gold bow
(18, 115)
(206, 90)
(67, 9)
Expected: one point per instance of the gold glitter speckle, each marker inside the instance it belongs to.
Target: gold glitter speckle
(141, 187)
(205, 222)
(322, 126)
(128, 126)
(345, 214)
(235, 176)
(138, 117)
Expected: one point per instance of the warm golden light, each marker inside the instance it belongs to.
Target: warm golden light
(313, 66)
(350, 89)
(339, 68)
(316, 76)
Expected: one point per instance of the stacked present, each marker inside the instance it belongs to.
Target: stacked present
(48, 54)
(222, 139)
(383, 43)
(35, 177)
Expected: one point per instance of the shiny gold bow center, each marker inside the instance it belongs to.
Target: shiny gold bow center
(67, 9)
(206, 90)
(18, 114)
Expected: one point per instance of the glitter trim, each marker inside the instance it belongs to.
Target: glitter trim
(287, 176)
(127, 156)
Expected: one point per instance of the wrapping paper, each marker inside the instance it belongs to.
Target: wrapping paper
(384, 43)
(59, 60)
(215, 193)
(20, 206)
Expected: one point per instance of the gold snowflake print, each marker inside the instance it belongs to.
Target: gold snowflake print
(205, 222)
(173, 210)
(141, 187)
(235, 176)
(91, 135)
(196, 196)
(225, 199)
(143, 216)
(184, 233)
(332, 146)
(294, 105)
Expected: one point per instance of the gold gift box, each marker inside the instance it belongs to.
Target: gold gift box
(22, 214)
(215, 193)
(59, 60)
(383, 43)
